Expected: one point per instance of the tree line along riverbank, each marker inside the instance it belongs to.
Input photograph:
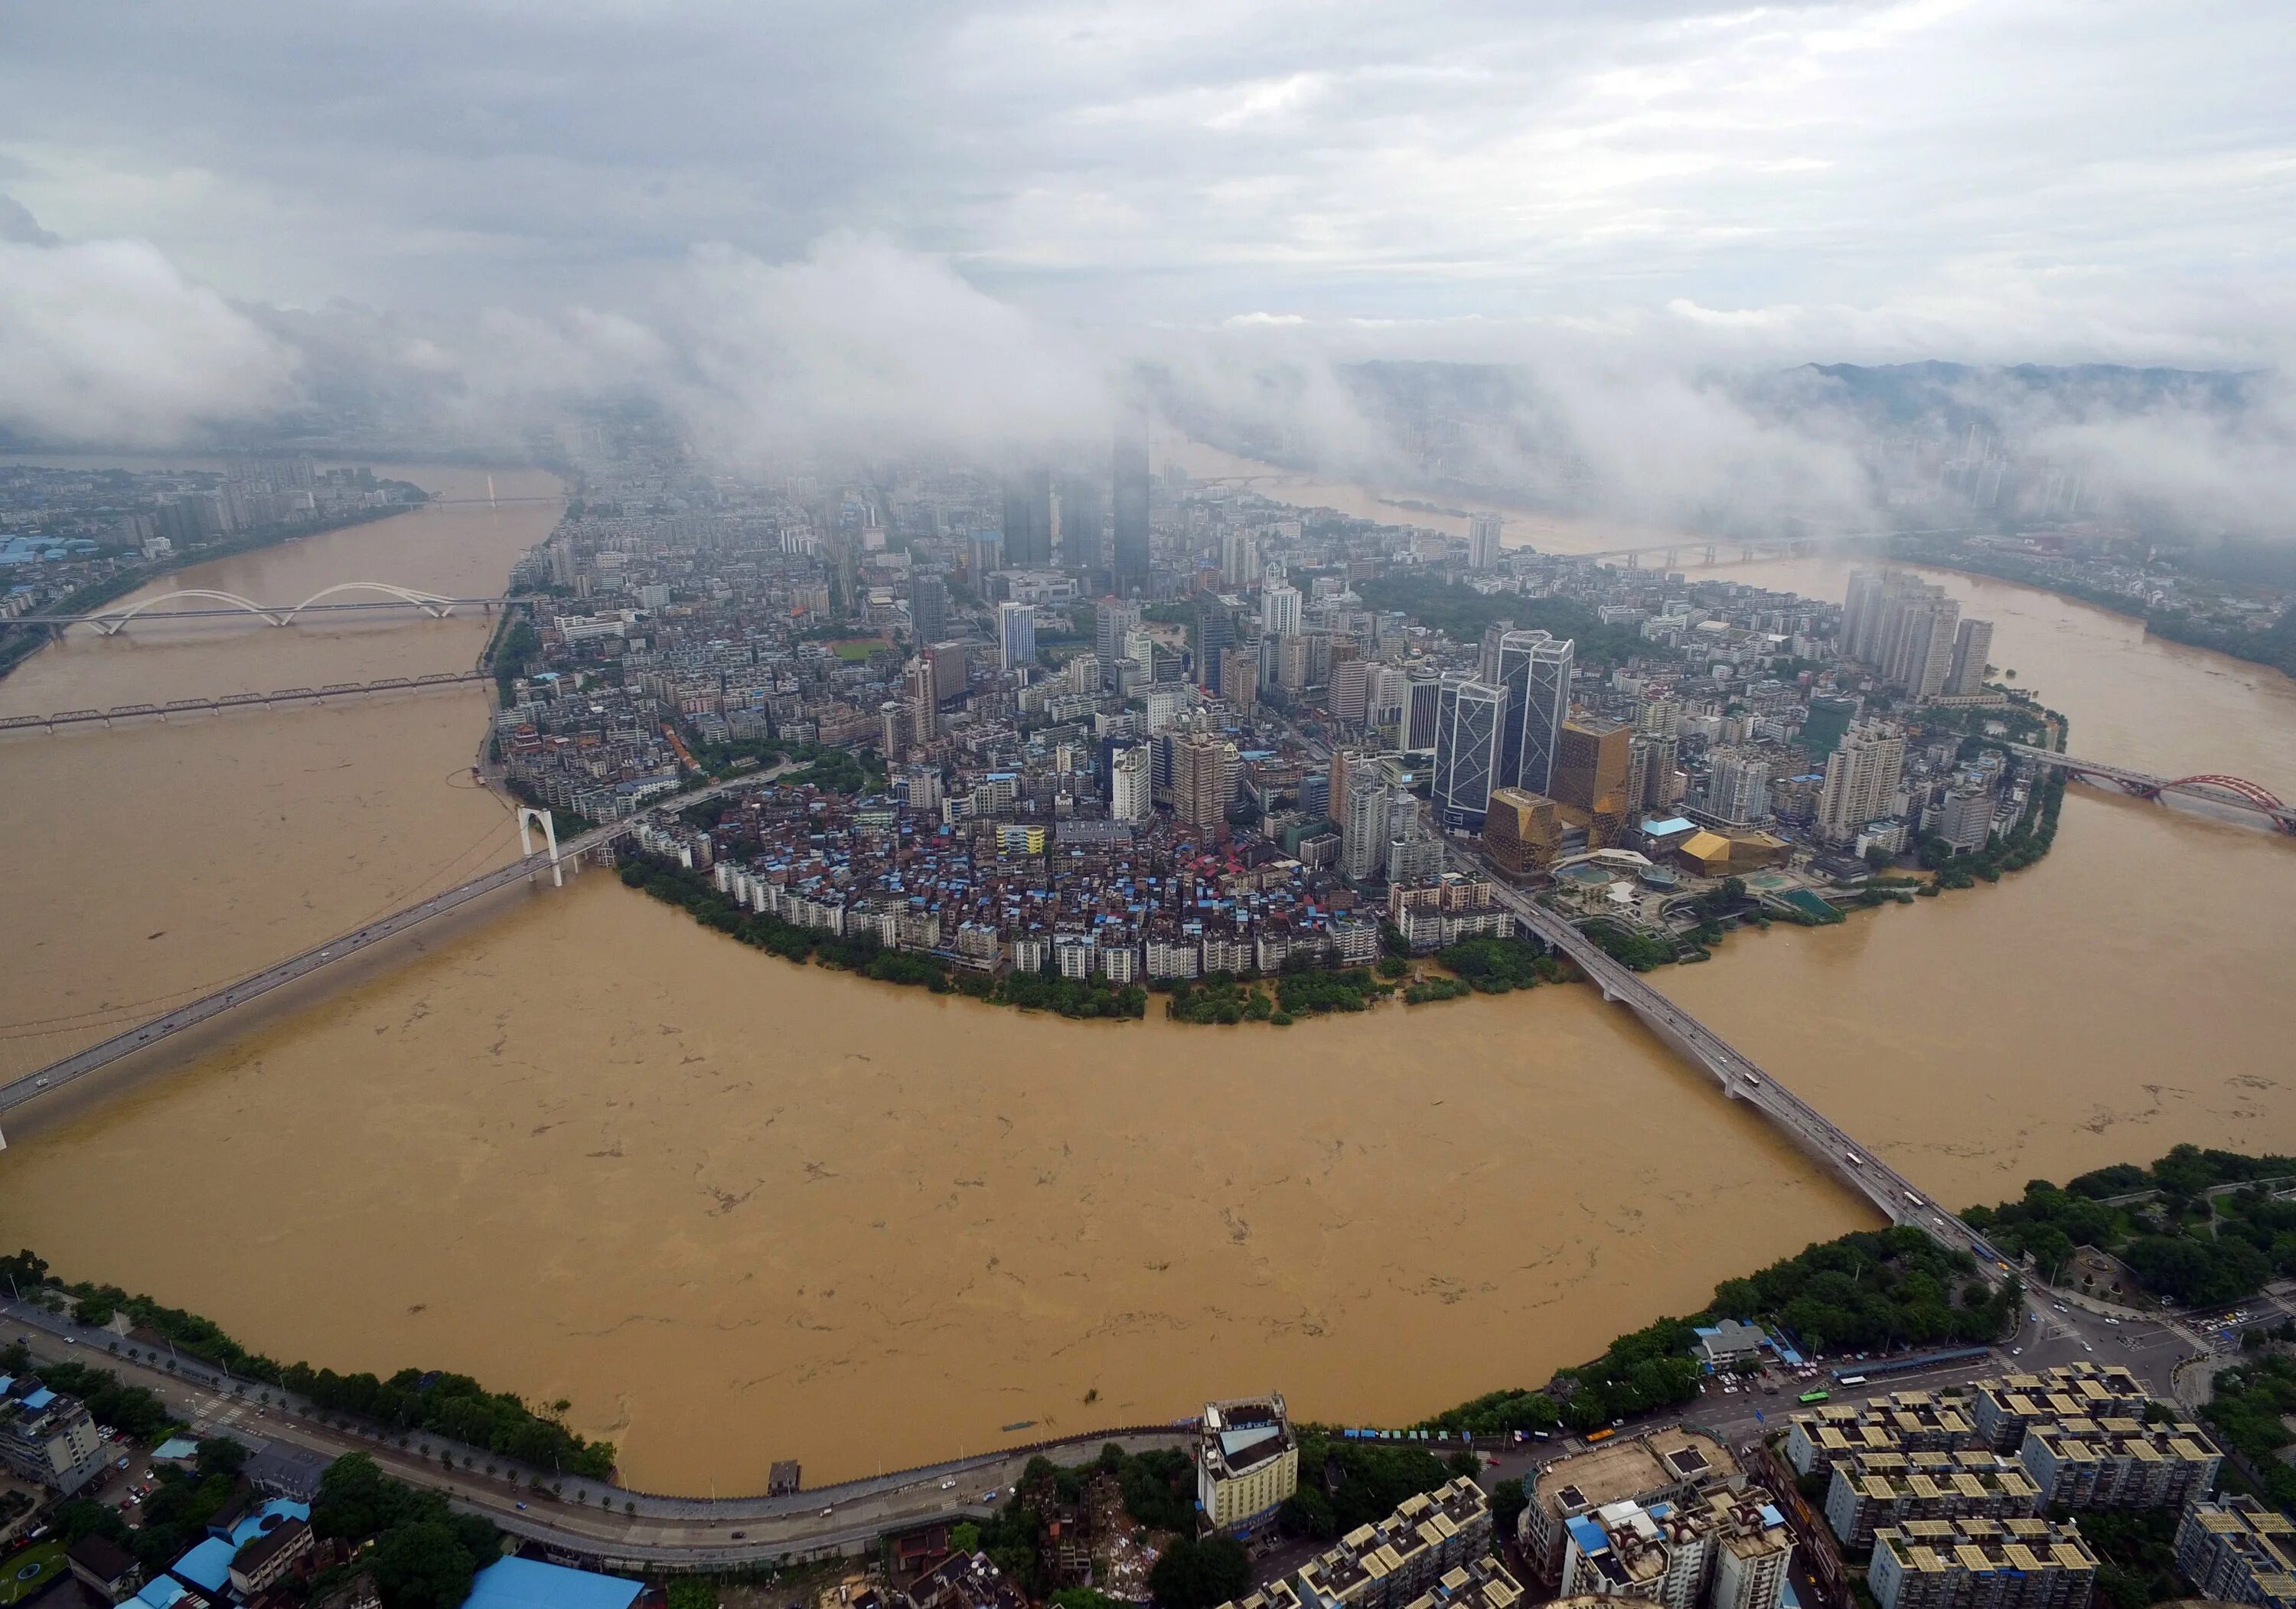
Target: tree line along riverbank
(1879, 1291)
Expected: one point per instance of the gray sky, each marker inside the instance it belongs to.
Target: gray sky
(520, 193)
(2047, 176)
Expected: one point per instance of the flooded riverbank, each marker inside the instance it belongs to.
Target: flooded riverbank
(736, 1211)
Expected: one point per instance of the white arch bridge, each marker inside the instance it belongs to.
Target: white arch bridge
(110, 622)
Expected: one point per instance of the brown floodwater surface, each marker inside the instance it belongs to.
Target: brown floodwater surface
(736, 1211)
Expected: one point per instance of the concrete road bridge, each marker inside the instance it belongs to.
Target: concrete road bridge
(2233, 791)
(213, 604)
(240, 700)
(1847, 1159)
(217, 1002)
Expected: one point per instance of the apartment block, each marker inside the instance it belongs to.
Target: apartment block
(1875, 1490)
(1401, 1559)
(1903, 1422)
(2006, 1408)
(1669, 1466)
(47, 1437)
(1725, 1549)
(1981, 1564)
(2120, 1464)
(2239, 1551)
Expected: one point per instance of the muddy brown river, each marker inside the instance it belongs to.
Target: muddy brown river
(738, 1211)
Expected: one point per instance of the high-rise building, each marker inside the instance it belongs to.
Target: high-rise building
(1247, 1461)
(1016, 636)
(2237, 1551)
(1279, 610)
(1469, 749)
(1364, 816)
(1826, 724)
(1981, 1564)
(1520, 834)
(1861, 779)
(48, 1438)
(928, 610)
(1902, 625)
(1662, 717)
(1482, 541)
(1131, 778)
(1422, 707)
(1971, 646)
(1351, 691)
(1214, 633)
(1130, 559)
(1079, 523)
(1738, 788)
(1590, 765)
(1534, 671)
(1204, 779)
(1240, 558)
(922, 688)
(1114, 621)
(984, 552)
(1029, 519)
(1650, 772)
(1239, 682)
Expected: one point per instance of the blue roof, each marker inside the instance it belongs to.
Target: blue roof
(206, 1566)
(1672, 824)
(269, 1517)
(39, 1399)
(1586, 1534)
(160, 1594)
(177, 1447)
(531, 1584)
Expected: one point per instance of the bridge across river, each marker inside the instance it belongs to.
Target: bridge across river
(242, 700)
(2234, 792)
(231, 996)
(1743, 1080)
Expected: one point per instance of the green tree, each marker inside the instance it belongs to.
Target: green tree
(424, 1565)
(1196, 1575)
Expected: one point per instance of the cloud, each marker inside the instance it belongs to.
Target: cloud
(105, 342)
(19, 228)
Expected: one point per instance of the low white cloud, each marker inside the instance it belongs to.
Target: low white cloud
(105, 342)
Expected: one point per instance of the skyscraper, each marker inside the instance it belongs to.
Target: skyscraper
(1738, 789)
(1482, 541)
(928, 610)
(1364, 817)
(1131, 772)
(1534, 669)
(1861, 779)
(1130, 558)
(1204, 779)
(1081, 523)
(1016, 636)
(1279, 610)
(1971, 646)
(1240, 558)
(1650, 772)
(923, 690)
(1214, 634)
(1589, 777)
(1468, 750)
(1029, 519)
(1422, 707)
(1240, 679)
(1113, 623)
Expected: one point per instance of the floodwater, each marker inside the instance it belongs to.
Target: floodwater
(155, 859)
(737, 1211)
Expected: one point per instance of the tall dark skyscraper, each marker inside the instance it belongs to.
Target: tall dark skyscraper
(1081, 523)
(1130, 559)
(1214, 633)
(1029, 519)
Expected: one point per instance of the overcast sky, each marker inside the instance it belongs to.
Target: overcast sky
(2011, 177)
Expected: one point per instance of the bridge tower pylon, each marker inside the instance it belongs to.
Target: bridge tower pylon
(527, 818)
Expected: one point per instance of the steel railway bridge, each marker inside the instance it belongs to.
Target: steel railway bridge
(240, 700)
(2233, 791)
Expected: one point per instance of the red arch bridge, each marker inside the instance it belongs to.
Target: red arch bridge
(2236, 792)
